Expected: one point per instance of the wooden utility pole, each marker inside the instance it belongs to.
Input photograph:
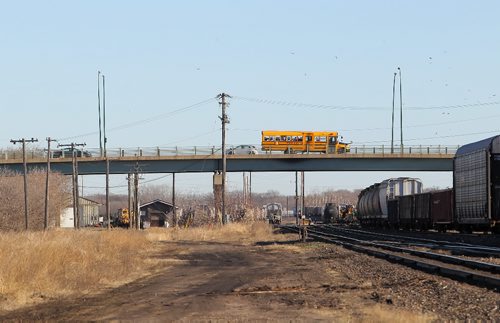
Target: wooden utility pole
(302, 185)
(108, 213)
(130, 213)
(297, 216)
(25, 172)
(173, 202)
(74, 177)
(225, 120)
(47, 187)
(136, 197)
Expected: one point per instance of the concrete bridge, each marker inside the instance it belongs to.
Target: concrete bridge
(367, 160)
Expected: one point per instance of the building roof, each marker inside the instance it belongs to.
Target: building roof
(492, 143)
(156, 201)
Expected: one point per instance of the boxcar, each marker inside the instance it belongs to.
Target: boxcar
(441, 209)
(393, 213)
(422, 212)
(476, 182)
(406, 211)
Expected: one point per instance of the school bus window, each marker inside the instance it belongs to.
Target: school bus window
(309, 138)
(288, 138)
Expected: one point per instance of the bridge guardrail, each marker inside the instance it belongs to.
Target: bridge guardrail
(7, 154)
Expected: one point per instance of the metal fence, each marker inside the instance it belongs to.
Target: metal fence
(7, 154)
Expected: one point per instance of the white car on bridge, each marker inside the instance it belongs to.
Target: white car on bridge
(242, 150)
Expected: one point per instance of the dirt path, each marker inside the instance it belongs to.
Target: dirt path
(201, 281)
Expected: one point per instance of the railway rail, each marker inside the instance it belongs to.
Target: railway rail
(470, 271)
(456, 248)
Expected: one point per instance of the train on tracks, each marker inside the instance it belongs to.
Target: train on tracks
(274, 212)
(473, 204)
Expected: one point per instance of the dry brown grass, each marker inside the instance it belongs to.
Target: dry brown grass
(36, 265)
(244, 233)
(12, 199)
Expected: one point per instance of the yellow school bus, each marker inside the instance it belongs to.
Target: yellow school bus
(291, 142)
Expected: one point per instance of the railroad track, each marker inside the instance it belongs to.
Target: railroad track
(473, 272)
(456, 248)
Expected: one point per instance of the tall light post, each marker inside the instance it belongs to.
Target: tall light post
(401, 108)
(99, 108)
(104, 113)
(393, 95)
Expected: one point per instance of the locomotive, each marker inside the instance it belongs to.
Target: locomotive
(273, 213)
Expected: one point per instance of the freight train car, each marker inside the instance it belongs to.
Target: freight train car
(330, 213)
(274, 212)
(423, 211)
(373, 201)
(476, 183)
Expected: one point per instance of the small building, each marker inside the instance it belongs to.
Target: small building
(88, 211)
(156, 213)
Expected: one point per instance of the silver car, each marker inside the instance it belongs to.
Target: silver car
(242, 150)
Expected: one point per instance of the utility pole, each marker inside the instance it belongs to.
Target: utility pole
(136, 197)
(302, 186)
(296, 197)
(25, 172)
(393, 95)
(108, 213)
(130, 213)
(224, 119)
(74, 175)
(99, 108)
(401, 108)
(250, 190)
(46, 213)
(173, 202)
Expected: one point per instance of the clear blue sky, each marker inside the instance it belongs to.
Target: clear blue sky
(161, 56)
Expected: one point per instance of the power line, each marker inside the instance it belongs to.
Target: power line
(340, 107)
(143, 121)
(436, 137)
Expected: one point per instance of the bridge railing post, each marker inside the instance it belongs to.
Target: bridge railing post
(158, 151)
(195, 150)
(176, 150)
(383, 150)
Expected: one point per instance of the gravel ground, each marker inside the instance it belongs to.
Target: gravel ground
(411, 289)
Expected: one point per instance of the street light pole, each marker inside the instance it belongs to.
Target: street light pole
(393, 95)
(104, 113)
(401, 108)
(99, 108)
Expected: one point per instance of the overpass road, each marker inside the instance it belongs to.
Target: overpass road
(200, 163)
